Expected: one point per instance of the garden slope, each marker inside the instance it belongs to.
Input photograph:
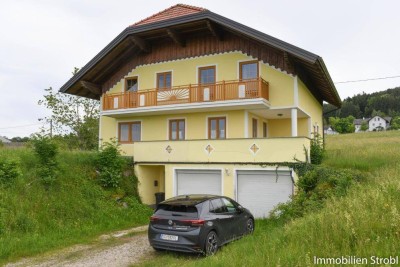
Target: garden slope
(35, 218)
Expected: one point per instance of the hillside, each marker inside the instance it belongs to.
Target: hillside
(363, 223)
(364, 105)
(35, 218)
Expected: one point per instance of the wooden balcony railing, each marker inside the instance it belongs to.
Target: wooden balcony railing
(192, 93)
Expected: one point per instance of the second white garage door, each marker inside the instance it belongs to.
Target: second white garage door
(260, 191)
(198, 182)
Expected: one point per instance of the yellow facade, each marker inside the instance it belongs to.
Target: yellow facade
(155, 166)
(280, 86)
(311, 106)
(266, 150)
(151, 181)
(156, 127)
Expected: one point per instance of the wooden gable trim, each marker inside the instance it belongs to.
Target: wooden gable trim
(92, 87)
(215, 31)
(176, 37)
(140, 42)
(196, 46)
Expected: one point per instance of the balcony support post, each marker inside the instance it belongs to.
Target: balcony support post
(223, 90)
(190, 93)
(294, 121)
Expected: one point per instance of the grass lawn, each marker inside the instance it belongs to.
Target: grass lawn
(75, 209)
(364, 223)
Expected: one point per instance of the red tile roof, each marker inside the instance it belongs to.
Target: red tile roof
(178, 10)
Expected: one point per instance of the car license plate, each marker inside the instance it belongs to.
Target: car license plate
(169, 237)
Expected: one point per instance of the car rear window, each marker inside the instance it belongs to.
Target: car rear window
(177, 210)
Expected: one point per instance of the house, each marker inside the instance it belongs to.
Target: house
(329, 130)
(205, 104)
(4, 140)
(377, 123)
(358, 123)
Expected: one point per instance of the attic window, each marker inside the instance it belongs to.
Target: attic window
(131, 84)
(248, 70)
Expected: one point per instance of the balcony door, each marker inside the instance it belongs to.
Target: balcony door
(131, 86)
(207, 82)
(248, 72)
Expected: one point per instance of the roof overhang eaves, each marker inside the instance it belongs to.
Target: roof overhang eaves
(94, 61)
(322, 66)
(264, 38)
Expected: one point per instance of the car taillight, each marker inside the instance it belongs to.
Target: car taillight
(154, 218)
(194, 222)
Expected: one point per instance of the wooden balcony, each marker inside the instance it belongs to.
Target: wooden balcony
(192, 93)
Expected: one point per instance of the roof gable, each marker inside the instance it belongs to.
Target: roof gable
(137, 40)
(178, 10)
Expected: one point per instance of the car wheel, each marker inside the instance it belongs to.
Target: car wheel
(211, 244)
(249, 226)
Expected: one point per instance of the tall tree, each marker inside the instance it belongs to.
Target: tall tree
(76, 118)
(363, 105)
(395, 123)
(342, 125)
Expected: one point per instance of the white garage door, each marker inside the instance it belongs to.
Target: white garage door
(260, 191)
(198, 182)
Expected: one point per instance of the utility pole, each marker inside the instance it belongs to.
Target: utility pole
(51, 128)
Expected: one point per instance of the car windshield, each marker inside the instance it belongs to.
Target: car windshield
(177, 210)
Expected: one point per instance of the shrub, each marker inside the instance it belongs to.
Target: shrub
(314, 187)
(9, 170)
(46, 151)
(317, 151)
(129, 183)
(110, 165)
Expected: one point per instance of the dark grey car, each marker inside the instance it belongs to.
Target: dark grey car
(198, 223)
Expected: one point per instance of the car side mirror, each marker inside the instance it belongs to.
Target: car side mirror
(239, 209)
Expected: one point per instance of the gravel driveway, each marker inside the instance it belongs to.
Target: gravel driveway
(122, 248)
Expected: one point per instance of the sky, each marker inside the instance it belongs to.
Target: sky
(41, 41)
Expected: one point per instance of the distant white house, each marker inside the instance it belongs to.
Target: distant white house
(376, 123)
(4, 140)
(329, 130)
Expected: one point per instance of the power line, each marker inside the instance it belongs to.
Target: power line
(372, 79)
(20, 126)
